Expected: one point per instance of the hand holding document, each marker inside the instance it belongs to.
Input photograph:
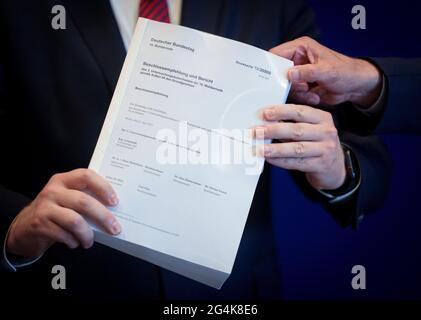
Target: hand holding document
(176, 147)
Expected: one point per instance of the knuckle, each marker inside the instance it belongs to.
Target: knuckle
(86, 174)
(331, 145)
(331, 132)
(55, 177)
(299, 148)
(83, 202)
(76, 222)
(48, 192)
(40, 215)
(297, 131)
(327, 116)
(36, 223)
(306, 39)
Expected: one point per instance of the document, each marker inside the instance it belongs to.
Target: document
(176, 146)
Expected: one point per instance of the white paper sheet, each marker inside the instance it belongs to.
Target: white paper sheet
(180, 215)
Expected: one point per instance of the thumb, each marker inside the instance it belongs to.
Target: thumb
(305, 73)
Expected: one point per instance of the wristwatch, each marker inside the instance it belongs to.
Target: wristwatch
(352, 179)
(343, 198)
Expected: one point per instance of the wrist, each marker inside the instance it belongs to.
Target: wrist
(15, 243)
(10, 241)
(11, 258)
(329, 181)
(352, 179)
(369, 79)
(338, 176)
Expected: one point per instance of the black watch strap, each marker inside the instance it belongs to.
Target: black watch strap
(344, 199)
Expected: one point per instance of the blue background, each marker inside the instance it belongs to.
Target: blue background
(317, 255)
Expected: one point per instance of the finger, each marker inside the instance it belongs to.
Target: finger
(90, 208)
(306, 73)
(300, 87)
(54, 232)
(294, 112)
(289, 49)
(85, 179)
(292, 131)
(328, 98)
(308, 98)
(301, 164)
(285, 50)
(74, 223)
(319, 90)
(292, 150)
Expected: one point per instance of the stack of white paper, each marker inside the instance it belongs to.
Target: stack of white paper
(185, 186)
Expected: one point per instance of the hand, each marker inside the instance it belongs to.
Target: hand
(324, 76)
(60, 213)
(309, 144)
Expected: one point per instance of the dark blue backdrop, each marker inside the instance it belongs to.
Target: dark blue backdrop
(316, 254)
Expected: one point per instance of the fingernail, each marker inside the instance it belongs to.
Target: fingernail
(113, 199)
(294, 75)
(115, 227)
(269, 114)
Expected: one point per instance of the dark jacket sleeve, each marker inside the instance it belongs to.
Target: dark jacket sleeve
(399, 109)
(402, 108)
(11, 203)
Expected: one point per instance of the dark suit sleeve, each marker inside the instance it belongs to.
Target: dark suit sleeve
(11, 203)
(399, 108)
(375, 166)
(402, 108)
